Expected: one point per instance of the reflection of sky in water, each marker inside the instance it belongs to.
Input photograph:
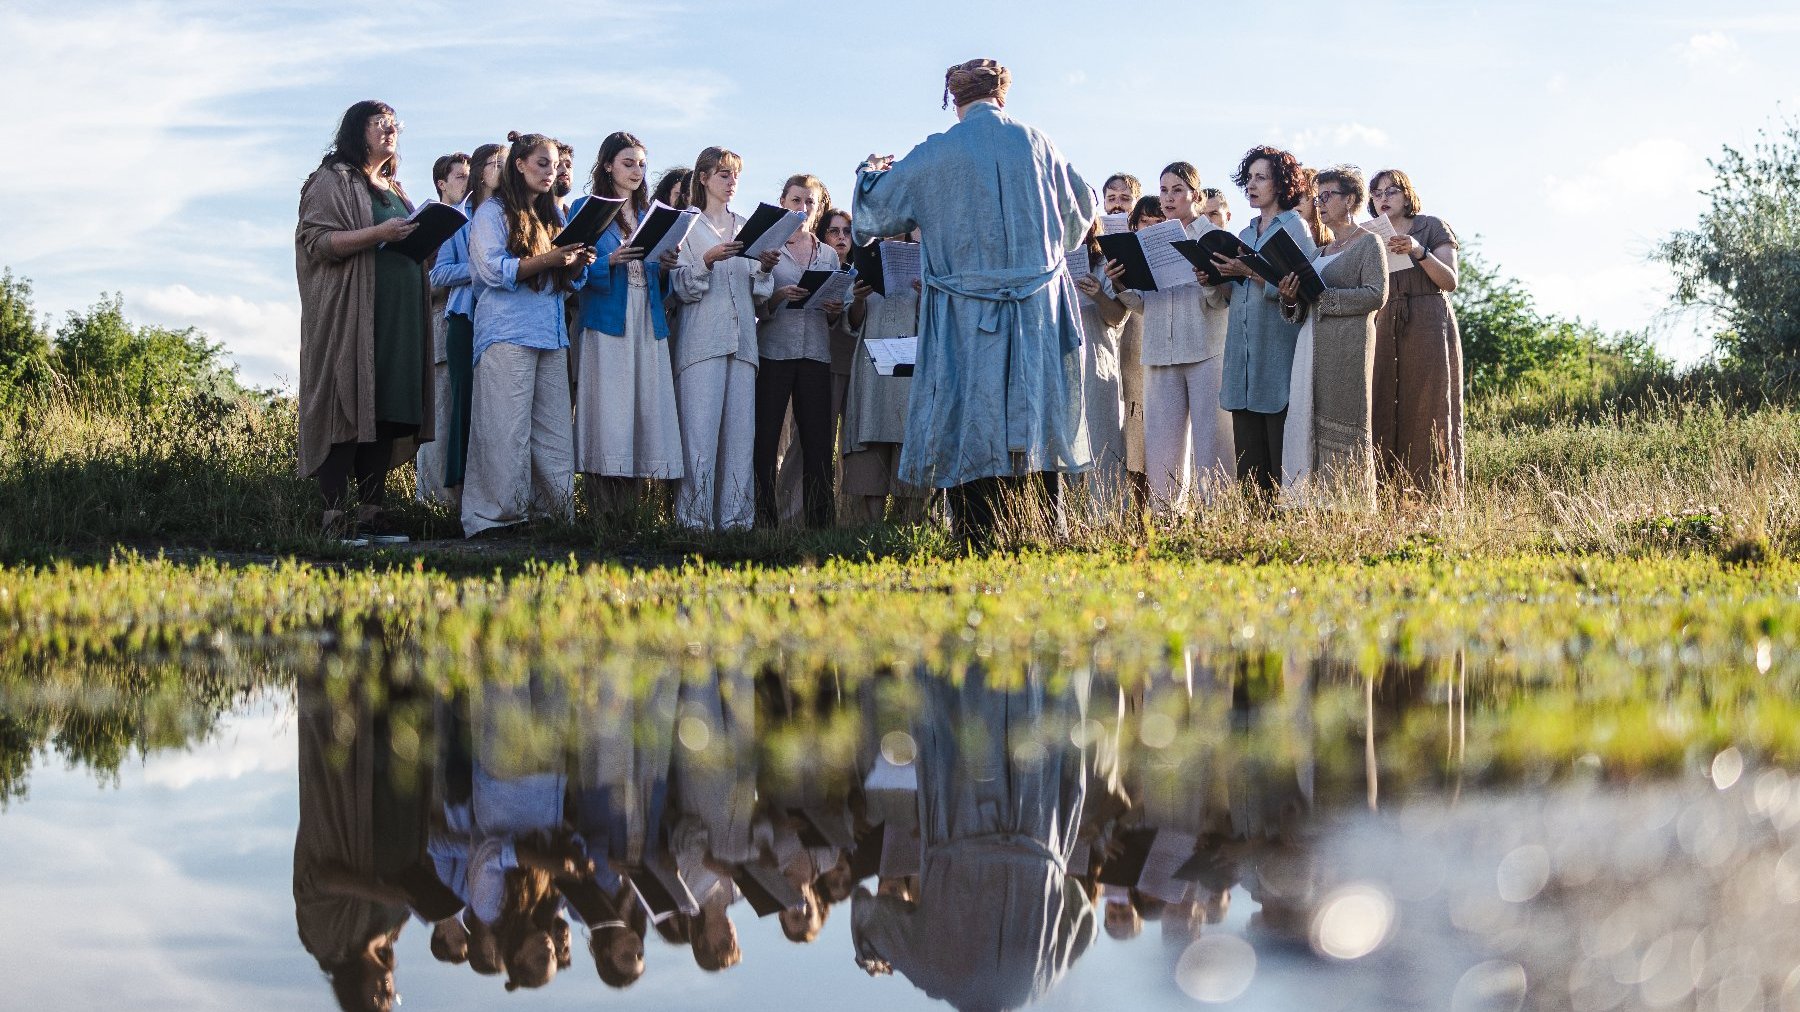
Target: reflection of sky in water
(173, 890)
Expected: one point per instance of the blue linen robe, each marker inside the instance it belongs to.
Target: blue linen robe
(998, 921)
(997, 387)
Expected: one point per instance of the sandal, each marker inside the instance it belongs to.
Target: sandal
(336, 526)
(373, 525)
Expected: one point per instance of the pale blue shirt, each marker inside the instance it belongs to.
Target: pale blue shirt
(505, 310)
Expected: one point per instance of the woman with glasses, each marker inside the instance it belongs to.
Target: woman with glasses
(1417, 404)
(1327, 450)
(366, 383)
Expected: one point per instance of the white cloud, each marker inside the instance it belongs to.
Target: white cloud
(1356, 136)
(263, 337)
(1633, 179)
(258, 742)
(1711, 50)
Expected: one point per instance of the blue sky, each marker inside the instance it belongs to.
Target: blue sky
(164, 142)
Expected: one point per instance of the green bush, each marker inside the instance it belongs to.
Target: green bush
(100, 354)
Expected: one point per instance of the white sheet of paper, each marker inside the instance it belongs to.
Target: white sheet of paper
(1168, 852)
(1381, 226)
(888, 353)
(1115, 224)
(777, 234)
(1078, 264)
(834, 289)
(902, 263)
(1167, 265)
(673, 238)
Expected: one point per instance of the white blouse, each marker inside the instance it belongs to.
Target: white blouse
(718, 303)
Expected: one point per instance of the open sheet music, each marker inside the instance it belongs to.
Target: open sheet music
(663, 229)
(893, 356)
(1077, 260)
(591, 219)
(767, 229)
(1115, 224)
(824, 286)
(436, 223)
(1284, 254)
(1152, 263)
(902, 263)
(1384, 230)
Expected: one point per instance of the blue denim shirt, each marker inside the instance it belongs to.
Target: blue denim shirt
(451, 270)
(1259, 344)
(506, 310)
(603, 296)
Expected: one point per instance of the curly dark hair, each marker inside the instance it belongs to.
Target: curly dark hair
(1290, 184)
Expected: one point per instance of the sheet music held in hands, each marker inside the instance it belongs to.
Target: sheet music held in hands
(1115, 224)
(825, 286)
(591, 219)
(436, 222)
(902, 263)
(893, 356)
(665, 228)
(1384, 230)
(1077, 262)
(1152, 263)
(767, 229)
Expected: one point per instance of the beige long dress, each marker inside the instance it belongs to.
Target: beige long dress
(625, 420)
(1343, 366)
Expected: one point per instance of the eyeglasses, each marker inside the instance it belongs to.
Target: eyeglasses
(1389, 192)
(1324, 195)
(386, 125)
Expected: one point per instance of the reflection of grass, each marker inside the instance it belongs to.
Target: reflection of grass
(1636, 661)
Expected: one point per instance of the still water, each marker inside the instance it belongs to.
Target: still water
(1239, 833)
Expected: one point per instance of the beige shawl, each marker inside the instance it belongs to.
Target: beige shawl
(1356, 285)
(337, 322)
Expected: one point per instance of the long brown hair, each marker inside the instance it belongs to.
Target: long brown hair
(600, 182)
(710, 160)
(532, 219)
(478, 190)
(350, 146)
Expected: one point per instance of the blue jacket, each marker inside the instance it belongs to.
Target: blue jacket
(451, 270)
(607, 287)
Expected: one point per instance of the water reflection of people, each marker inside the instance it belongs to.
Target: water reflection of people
(625, 731)
(359, 856)
(519, 781)
(714, 774)
(996, 920)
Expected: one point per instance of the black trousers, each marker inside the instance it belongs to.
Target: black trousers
(807, 385)
(976, 507)
(369, 463)
(1259, 446)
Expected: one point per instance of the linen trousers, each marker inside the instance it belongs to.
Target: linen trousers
(1188, 438)
(521, 439)
(716, 399)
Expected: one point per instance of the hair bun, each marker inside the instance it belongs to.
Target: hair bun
(512, 135)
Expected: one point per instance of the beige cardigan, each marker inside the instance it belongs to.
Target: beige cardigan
(337, 322)
(1356, 285)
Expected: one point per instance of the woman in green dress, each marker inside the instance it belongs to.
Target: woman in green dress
(366, 384)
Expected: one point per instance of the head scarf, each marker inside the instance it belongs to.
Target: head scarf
(976, 79)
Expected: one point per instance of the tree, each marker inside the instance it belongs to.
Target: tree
(100, 353)
(24, 347)
(1743, 259)
(1505, 338)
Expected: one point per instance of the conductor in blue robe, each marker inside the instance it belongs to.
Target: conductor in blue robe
(996, 405)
